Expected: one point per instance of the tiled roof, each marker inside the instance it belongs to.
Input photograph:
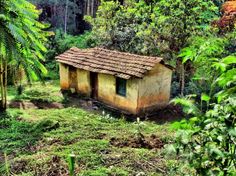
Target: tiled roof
(119, 64)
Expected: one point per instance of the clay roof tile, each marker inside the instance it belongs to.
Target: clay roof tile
(120, 64)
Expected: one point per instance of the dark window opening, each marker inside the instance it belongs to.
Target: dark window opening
(121, 86)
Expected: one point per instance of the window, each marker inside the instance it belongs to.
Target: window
(121, 86)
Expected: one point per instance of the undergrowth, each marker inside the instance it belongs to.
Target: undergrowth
(40, 141)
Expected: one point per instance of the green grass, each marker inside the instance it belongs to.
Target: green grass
(47, 92)
(38, 142)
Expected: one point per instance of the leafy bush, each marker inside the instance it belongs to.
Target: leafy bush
(210, 144)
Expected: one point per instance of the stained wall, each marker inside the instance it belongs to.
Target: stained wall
(154, 88)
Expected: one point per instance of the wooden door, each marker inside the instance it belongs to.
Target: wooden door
(94, 84)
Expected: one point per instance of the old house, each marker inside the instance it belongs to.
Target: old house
(128, 82)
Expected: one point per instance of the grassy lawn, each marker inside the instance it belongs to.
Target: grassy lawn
(39, 141)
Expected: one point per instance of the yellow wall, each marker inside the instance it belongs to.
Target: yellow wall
(154, 88)
(64, 76)
(83, 80)
(107, 93)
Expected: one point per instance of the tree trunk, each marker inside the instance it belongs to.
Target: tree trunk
(182, 79)
(88, 7)
(66, 16)
(3, 84)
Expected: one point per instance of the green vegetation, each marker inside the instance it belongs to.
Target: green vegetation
(42, 140)
(209, 143)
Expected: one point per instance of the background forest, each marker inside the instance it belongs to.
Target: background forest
(162, 28)
(197, 37)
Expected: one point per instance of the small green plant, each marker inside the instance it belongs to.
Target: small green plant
(71, 161)
(139, 130)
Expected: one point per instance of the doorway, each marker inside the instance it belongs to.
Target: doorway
(73, 77)
(94, 85)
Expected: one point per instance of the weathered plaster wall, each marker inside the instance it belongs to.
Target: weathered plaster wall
(64, 76)
(83, 80)
(107, 93)
(154, 88)
(151, 91)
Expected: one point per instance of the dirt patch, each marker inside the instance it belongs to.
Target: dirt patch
(57, 167)
(48, 105)
(81, 102)
(148, 142)
(53, 167)
(168, 114)
(35, 105)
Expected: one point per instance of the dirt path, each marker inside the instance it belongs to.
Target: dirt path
(35, 105)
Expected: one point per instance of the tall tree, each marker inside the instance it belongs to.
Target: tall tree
(66, 17)
(21, 42)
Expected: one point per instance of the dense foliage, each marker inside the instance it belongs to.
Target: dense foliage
(210, 143)
(151, 28)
